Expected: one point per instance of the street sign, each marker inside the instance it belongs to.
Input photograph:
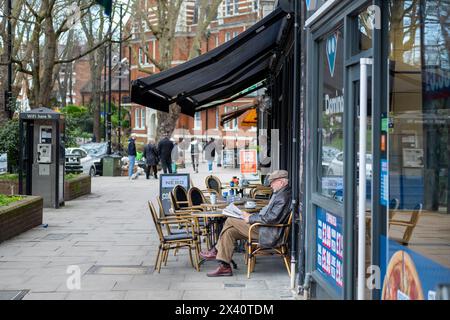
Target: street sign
(166, 184)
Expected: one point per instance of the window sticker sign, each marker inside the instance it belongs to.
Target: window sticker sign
(408, 275)
(166, 184)
(249, 163)
(330, 248)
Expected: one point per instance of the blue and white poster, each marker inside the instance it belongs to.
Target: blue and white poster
(330, 248)
(384, 184)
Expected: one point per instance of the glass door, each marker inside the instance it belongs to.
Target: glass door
(362, 153)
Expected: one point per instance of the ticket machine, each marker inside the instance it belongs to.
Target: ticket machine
(42, 155)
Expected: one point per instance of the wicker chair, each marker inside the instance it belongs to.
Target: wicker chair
(214, 185)
(261, 193)
(254, 249)
(169, 242)
(181, 196)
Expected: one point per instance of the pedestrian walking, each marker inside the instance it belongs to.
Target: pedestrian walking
(151, 159)
(131, 154)
(210, 153)
(165, 147)
(195, 153)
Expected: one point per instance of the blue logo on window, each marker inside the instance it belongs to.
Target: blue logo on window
(331, 48)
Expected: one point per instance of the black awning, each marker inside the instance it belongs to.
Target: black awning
(224, 71)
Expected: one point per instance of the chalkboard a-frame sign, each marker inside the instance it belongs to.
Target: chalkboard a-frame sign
(166, 184)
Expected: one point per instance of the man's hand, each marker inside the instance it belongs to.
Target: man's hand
(246, 216)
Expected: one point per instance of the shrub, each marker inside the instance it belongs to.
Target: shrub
(9, 142)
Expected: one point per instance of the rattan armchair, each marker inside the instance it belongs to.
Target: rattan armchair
(254, 249)
(168, 242)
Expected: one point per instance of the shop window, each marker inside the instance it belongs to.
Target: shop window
(331, 116)
(364, 24)
(418, 152)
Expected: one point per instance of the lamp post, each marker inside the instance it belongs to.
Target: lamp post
(8, 95)
(207, 36)
(120, 80)
(109, 126)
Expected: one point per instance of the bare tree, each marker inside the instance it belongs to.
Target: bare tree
(207, 12)
(20, 28)
(40, 58)
(159, 18)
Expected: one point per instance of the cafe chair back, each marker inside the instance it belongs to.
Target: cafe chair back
(181, 196)
(408, 225)
(254, 249)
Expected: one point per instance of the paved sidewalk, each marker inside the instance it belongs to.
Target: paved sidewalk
(110, 237)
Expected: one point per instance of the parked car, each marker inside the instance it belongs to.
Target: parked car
(97, 151)
(336, 166)
(3, 163)
(328, 154)
(80, 158)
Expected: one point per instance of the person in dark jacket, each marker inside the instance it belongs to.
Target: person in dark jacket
(165, 147)
(151, 159)
(131, 154)
(276, 212)
(210, 154)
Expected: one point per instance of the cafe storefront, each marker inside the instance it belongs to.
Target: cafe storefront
(377, 94)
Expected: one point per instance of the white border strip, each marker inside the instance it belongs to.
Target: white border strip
(319, 13)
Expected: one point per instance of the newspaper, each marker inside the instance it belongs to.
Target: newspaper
(232, 211)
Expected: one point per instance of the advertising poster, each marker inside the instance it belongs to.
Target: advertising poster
(166, 184)
(330, 248)
(407, 275)
(249, 163)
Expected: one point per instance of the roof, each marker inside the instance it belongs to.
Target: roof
(218, 74)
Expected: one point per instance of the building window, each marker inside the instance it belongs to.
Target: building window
(227, 36)
(228, 7)
(217, 118)
(140, 56)
(236, 6)
(197, 121)
(230, 125)
(139, 119)
(255, 5)
(217, 41)
(417, 164)
(235, 34)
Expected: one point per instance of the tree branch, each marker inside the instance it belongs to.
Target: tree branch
(81, 55)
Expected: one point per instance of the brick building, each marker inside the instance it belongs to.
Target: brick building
(233, 17)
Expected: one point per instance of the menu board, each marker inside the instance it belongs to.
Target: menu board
(330, 248)
(166, 184)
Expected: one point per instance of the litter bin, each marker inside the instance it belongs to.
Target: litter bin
(111, 166)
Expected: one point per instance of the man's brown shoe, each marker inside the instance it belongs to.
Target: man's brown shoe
(221, 271)
(209, 255)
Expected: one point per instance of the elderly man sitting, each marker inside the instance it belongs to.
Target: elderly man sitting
(276, 212)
